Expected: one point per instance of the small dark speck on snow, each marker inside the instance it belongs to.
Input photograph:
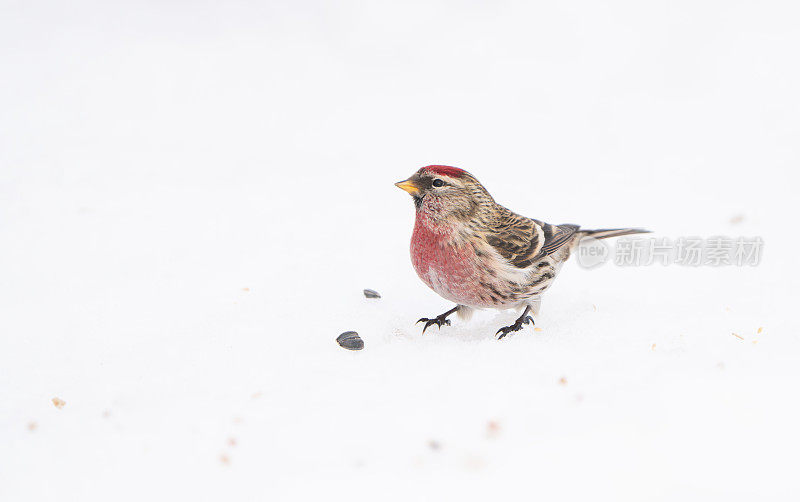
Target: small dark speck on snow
(350, 340)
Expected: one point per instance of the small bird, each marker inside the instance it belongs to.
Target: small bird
(478, 254)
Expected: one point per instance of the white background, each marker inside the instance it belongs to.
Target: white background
(156, 158)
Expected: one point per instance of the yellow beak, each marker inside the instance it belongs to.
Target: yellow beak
(408, 186)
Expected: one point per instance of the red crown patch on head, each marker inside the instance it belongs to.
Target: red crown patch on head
(446, 171)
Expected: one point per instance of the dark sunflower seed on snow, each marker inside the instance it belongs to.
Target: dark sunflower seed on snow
(371, 293)
(350, 340)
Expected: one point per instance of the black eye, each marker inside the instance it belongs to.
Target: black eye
(437, 183)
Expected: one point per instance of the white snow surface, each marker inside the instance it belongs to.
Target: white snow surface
(158, 158)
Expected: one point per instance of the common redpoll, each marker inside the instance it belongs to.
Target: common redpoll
(476, 253)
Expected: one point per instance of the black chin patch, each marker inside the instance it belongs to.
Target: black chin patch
(417, 201)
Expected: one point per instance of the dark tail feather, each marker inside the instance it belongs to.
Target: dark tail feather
(613, 232)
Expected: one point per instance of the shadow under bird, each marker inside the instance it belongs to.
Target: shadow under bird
(478, 254)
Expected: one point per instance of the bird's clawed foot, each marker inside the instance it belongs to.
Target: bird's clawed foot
(518, 324)
(440, 320)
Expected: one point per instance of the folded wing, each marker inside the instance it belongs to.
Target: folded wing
(524, 241)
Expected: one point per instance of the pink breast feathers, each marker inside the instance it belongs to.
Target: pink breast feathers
(450, 269)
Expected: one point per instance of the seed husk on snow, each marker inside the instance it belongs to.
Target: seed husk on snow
(371, 293)
(350, 340)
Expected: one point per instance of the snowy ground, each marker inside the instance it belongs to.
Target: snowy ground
(192, 198)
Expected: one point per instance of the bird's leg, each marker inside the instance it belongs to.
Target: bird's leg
(523, 319)
(439, 320)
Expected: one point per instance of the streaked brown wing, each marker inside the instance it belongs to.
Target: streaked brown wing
(556, 236)
(516, 238)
